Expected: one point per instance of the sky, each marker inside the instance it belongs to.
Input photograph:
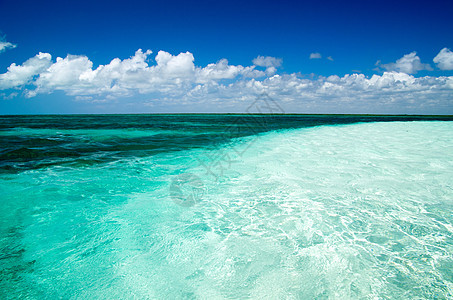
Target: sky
(390, 57)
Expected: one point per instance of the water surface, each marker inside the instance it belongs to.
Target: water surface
(290, 206)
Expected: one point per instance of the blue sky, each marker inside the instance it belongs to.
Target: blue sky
(355, 35)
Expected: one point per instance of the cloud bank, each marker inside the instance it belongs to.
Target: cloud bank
(176, 79)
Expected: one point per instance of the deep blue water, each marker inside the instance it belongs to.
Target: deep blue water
(29, 142)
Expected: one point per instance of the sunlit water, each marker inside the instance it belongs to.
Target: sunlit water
(291, 210)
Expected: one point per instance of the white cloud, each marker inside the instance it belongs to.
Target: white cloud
(267, 61)
(176, 79)
(222, 70)
(350, 93)
(271, 63)
(171, 75)
(65, 72)
(444, 59)
(23, 74)
(179, 65)
(315, 55)
(330, 58)
(409, 64)
(5, 45)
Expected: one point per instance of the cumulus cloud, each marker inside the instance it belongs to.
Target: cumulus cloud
(74, 74)
(444, 60)
(350, 93)
(17, 76)
(5, 45)
(176, 79)
(271, 63)
(222, 70)
(267, 61)
(409, 64)
(315, 55)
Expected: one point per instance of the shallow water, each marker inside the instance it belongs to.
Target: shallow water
(218, 207)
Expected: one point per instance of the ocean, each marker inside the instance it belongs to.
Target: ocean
(226, 206)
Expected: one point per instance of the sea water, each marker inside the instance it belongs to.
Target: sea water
(226, 207)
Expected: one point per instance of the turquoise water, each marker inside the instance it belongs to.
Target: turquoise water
(226, 207)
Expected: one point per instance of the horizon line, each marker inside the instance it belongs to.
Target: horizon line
(212, 113)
